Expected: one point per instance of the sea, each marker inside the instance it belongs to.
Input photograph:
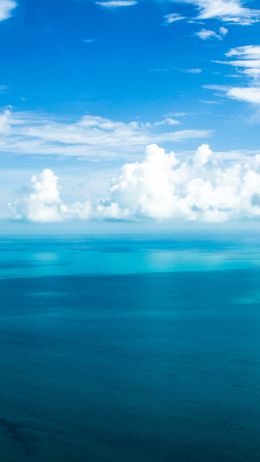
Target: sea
(130, 348)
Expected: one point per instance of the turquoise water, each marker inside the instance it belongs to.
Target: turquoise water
(130, 349)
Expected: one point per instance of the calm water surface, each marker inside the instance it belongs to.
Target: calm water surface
(128, 350)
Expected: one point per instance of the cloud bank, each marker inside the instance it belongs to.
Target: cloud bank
(162, 186)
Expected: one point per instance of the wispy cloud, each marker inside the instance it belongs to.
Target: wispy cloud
(88, 40)
(231, 11)
(116, 3)
(192, 70)
(247, 59)
(246, 94)
(188, 70)
(91, 136)
(246, 63)
(6, 9)
(4, 88)
(173, 17)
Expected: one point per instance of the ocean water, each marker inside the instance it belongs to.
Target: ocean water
(130, 349)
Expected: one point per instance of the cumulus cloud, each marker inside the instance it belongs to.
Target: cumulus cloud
(91, 136)
(44, 204)
(202, 187)
(6, 9)
(232, 11)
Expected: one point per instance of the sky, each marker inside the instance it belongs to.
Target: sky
(129, 111)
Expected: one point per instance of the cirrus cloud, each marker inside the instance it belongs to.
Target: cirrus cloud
(232, 11)
(246, 63)
(116, 3)
(93, 137)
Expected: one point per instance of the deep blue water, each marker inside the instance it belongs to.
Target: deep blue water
(128, 350)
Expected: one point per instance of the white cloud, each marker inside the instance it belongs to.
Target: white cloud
(247, 59)
(145, 188)
(246, 63)
(223, 31)
(191, 70)
(173, 17)
(91, 136)
(111, 211)
(247, 52)
(201, 188)
(163, 186)
(232, 11)
(44, 204)
(246, 94)
(6, 9)
(117, 3)
(205, 34)
(167, 121)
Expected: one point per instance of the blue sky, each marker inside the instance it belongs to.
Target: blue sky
(87, 85)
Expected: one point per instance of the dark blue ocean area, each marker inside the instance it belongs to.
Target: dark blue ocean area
(130, 349)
